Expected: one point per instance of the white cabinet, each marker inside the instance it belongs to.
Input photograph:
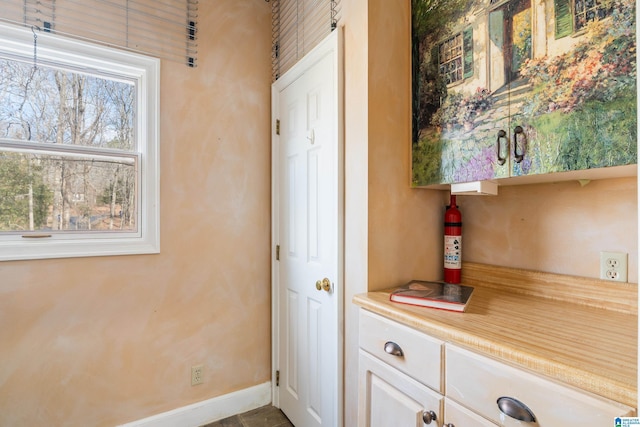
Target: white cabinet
(397, 367)
(480, 383)
(389, 398)
(408, 378)
(421, 355)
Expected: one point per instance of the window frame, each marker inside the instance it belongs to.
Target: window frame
(581, 28)
(452, 39)
(17, 42)
(566, 20)
(466, 56)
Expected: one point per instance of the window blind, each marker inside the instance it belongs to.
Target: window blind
(297, 27)
(162, 28)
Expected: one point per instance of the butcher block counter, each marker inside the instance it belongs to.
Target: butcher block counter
(578, 331)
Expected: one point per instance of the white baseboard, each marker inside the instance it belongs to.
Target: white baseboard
(210, 410)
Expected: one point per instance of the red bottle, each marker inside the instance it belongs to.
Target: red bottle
(452, 243)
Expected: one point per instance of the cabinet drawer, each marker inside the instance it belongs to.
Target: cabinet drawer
(459, 416)
(477, 382)
(389, 398)
(421, 355)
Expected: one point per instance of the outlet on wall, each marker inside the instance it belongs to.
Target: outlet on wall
(197, 374)
(613, 266)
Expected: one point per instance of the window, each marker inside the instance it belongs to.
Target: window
(588, 11)
(455, 57)
(79, 160)
(574, 15)
(450, 55)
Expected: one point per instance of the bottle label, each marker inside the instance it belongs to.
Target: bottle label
(453, 252)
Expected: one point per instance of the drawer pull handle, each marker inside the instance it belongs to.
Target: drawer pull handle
(428, 416)
(502, 138)
(393, 349)
(519, 156)
(515, 409)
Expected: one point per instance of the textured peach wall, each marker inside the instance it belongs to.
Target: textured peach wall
(560, 228)
(402, 221)
(102, 341)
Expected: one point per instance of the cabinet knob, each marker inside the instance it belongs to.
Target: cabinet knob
(393, 349)
(515, 409)
(428, 416)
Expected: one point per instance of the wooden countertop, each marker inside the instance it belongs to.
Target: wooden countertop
(572, 335)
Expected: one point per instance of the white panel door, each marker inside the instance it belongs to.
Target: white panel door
(308, 231)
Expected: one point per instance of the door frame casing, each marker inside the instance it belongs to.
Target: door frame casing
(333, 44)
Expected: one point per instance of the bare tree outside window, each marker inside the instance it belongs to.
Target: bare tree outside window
(79, 148)
(68, 155)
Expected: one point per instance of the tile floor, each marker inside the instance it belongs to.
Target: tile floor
(267, 416)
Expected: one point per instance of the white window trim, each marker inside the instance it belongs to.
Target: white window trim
(19, 42)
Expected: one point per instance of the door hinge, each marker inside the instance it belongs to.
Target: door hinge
(277, 252)
(277, 126)
(277, 378)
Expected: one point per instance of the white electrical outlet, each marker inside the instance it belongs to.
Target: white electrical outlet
(197, 374)
(613, 266)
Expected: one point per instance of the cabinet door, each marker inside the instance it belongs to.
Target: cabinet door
(579, 111)
(456, 415)
(389, 398)
(459, 109)
(563, 97)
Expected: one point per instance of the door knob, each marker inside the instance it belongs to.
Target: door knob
(324, 284)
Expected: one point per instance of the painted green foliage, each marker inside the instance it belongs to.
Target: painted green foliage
(577, 106)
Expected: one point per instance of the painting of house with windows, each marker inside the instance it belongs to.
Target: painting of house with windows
(517, 87)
